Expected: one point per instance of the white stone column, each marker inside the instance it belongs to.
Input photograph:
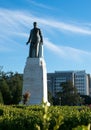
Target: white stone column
(35, 80)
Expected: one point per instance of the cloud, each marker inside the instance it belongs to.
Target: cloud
(4, 49)
(53, 47)
(15, 24)
(18, 20)
(66, 52)
(67, 27)
(39, 4)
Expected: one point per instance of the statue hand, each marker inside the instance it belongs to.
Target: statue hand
(26, 43)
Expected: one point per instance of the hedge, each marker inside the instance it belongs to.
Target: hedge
(42, 117)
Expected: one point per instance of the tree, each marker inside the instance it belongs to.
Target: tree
(87, 99)
(15, 84)
(4, 88)
(11, 87)
(69, 95)
(50, 98)
(1, 98)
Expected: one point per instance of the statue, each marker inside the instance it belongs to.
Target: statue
(36, 42)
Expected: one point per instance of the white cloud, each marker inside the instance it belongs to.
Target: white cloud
(4, 48)
(39, 4)
(17, 21)
(66, 27)
(53, 47)
(67, 52)
(14, 24)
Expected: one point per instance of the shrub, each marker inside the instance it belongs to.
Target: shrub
(42, 117)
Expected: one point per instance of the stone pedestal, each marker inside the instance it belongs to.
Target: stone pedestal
(35, 80)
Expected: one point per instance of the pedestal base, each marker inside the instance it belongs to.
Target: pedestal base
(35, 80)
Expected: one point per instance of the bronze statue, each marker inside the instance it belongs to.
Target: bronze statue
(36, 41)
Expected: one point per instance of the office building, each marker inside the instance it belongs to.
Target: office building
(79, 79)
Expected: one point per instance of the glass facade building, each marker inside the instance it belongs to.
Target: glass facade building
(78, 78)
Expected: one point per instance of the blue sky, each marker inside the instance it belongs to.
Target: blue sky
(66, 29)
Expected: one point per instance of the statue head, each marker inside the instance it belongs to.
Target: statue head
(35, 24)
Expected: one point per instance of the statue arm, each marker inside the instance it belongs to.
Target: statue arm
(29, 38)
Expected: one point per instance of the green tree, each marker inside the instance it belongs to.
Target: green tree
(1, 98)
(11, 87)
(14, 82)
(4, 88)
(17, 88)
(87, 99)
(50, 98)
(69, 94)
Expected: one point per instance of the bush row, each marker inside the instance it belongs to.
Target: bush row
(20, 117)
